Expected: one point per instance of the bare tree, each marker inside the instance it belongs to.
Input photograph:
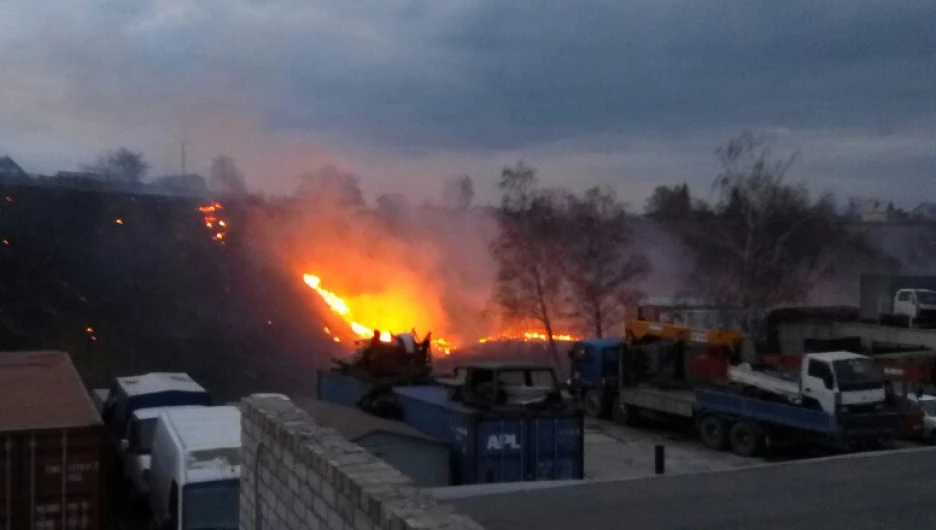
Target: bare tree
(226, 177)
(601, 264)
(766, 243)
(458, 193)
(527, 250)
(120, 165)
(331, 185)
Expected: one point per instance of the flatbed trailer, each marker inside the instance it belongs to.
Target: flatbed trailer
(751, 426)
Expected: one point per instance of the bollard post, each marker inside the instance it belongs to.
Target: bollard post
(659, 459)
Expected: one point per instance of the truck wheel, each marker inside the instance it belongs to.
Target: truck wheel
(595, 404)
(746, 439)
(712, 432)
(624, 414)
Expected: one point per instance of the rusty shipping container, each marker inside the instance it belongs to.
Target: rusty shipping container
(51, 445)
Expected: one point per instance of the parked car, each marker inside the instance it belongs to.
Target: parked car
(195, 469)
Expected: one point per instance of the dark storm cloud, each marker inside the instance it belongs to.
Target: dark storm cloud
(511, 74)
(622, 92)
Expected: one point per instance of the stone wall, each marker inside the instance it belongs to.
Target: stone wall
(297, 474)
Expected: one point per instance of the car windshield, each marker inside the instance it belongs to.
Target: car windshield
(857, 374)
(211, 505)
(926, 297)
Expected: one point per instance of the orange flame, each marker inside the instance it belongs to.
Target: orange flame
(118, 221)
(211, 220)
(340, 307)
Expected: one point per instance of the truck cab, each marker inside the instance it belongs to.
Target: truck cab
(137, 445)
(915, 306)
(836, 382)
(196, 469)
(843, 382)
(593, 373)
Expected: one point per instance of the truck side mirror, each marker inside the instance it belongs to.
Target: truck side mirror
(124, 445)
(829, 382)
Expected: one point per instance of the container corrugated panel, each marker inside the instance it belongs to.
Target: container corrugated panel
(51, 445)
(340, 389)
(495, 446)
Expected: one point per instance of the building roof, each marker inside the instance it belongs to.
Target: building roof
(42, 390)
(354, 424)
(210, 439)
(154, 382)
(10, 168)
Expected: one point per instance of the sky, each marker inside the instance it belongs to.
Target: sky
(406, 93)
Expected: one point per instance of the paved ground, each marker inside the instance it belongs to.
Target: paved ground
(880, 491)
(618, 452)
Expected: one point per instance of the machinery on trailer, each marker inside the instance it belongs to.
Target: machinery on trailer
(594, 363)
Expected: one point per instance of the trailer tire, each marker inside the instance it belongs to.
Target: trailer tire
(624, 414)
(595, 404)
(712, 431)
(746, 439)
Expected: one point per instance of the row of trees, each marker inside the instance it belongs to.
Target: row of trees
(762, 242)
(130, 167)
(564, 257)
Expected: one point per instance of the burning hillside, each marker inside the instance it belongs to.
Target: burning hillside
(420, 269)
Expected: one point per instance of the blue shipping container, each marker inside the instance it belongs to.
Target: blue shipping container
(340, 389)
(498, 446)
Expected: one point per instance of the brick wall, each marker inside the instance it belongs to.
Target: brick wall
(297, 474)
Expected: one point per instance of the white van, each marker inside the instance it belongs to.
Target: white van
(195, 473)
(136, 447)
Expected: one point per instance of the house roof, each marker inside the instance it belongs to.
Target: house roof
(354, 424)
(9, 167)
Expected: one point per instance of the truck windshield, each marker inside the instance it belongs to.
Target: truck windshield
(926, 297)
(211, 505)
(857, 374)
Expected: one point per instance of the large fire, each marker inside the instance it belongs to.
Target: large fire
(341, 307)
(389, 324)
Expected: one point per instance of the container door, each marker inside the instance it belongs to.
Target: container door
(499, 450)
(554, 448)
(60, 480)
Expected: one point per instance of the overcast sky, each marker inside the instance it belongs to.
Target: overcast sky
(630, 93)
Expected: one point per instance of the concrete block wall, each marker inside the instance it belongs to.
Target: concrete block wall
(297, 475)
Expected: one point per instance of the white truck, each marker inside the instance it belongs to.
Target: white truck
(136, 446)
(836, 382)
(915, 307)
(196, 469)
